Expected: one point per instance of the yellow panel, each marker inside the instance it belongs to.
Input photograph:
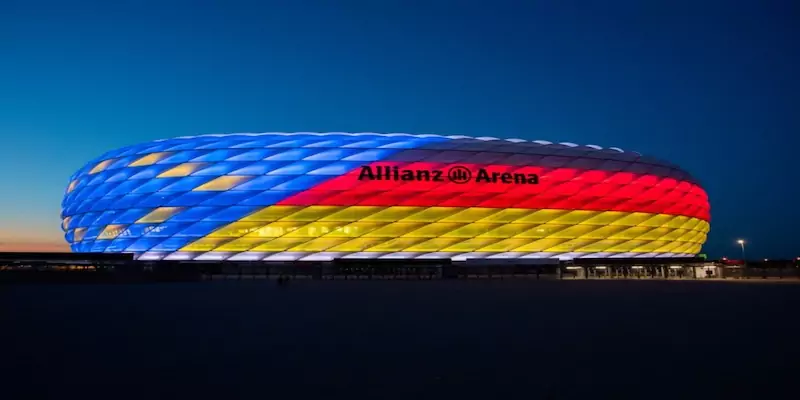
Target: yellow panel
(650, 247)
(574, 217)
(353, 213)
(315, 229)
(184, 169)
(77, 236)
(431, 214)
(355, 229)
(570, 246)
(435, 229)
(471, 230)
(541, 231)
(205, 244)
(358, 244)
(71, 186)
(276, 229)
(319, 244)
(237, 229)
(242, 244)
(677, 221)
(655, 234)
(507, 215)
(281, 244)
(605, 218)
(101, 166)
(690, 224)
(683, 248)
(599, 246)
(571, 232)
(632, 219)
(396, 229)
(312, 213)
(603, 232)
(626, 246)
(65, 223)
(160, 214)
(434, 244)
(399, 244)
(542, 216)
(657, 220)
(111, 231)
(471, 244)
(631, 233)
(541, 245)
(704, 227)
(224, 182)
(149, 159)
(392, 214)
(507, 230)
(271, 213)
(668, 247)
(505, 245)
(472, 214)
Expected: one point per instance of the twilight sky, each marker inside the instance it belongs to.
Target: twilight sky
(710, 85)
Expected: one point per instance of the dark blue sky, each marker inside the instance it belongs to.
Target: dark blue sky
(709, 85)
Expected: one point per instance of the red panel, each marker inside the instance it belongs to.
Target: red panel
(560, 188)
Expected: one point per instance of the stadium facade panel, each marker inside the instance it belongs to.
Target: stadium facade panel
(319, 196)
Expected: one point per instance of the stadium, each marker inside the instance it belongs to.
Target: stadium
(329, 196)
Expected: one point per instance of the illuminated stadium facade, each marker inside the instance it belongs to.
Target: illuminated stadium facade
(323, 196)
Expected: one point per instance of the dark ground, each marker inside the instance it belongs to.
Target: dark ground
(402, 339)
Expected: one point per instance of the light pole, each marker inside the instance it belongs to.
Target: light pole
(744, 258)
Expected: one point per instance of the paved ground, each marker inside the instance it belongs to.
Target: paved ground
(402, 339)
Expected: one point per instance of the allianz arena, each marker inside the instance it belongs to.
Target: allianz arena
(324, 196)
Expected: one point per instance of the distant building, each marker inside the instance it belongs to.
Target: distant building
(321, 196)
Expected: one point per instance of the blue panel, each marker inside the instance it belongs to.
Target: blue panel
(102, 190)
(131, 216)
(332, 155)
(186, 184)
(158, 199)
(119, 245)
(291, 155)
(231, 214)
(166, 229)
(298, 168)
(255, 143)
(121, 175)
(184, 145)
(128, 201)
(219, 144)
(302, 182)
(364, 144)
(194, 214)
(260, 168)
(268, 198)
(125, 188)
(86, 219)
(370, 155)
(173, 243)
(92, 232)
(106, 217)
(201, 229)
(149, 172)
(253, 155)
(191, 199)
(144, 244)
(289, 143)
(181, 157)
(98, 178)
(263, 183)
(218, 155)
(105, 203)
(229, 198)
(155, 185)
(69, 236)
(84, 247)
(337, 168)
(84, 206)
(219, 169)
(100, 245)
(135, 231)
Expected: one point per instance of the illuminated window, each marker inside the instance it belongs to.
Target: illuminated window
(149, 159)
(222, 183)
(71, 186)
(315, 229)
(276, 229)
(237, 229)
(79, 233)
(101, 166)
(160, 214)
(356, 229)
(111, 231)
(184, 169)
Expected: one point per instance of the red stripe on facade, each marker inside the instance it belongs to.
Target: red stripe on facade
(557, 188)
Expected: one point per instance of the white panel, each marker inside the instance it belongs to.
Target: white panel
(213, 256)
(180, 256)
(248, 256)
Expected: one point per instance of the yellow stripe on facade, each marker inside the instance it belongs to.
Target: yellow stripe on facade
(454, 229)
(149, 159)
